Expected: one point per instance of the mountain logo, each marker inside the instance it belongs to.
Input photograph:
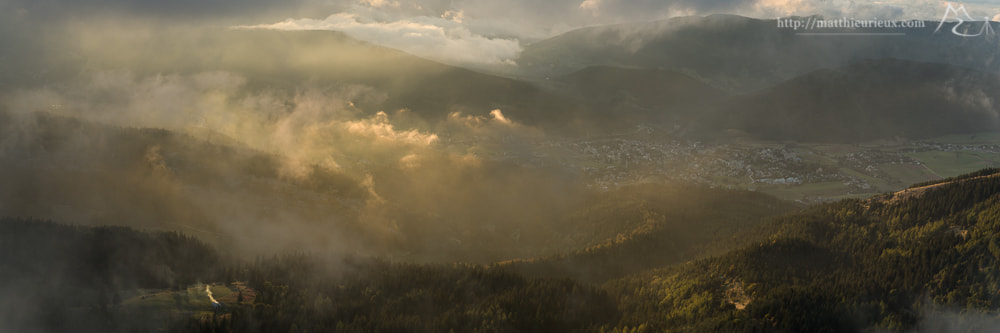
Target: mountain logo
(957, 14)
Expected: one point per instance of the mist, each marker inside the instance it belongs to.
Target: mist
(403, 186)
(467, 166)
(323, 113)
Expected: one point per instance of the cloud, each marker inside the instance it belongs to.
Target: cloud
(369, 183)
(456, 16)
(777, 8)
(495, 120)
(182, 10)
(942, 319)
(459, 32)
(498, 117)
(311, 126)
(379, 129)
(591, 5)
(522, 20)
(931, 10)
(381, 3)
(439, 38)
(495, 127)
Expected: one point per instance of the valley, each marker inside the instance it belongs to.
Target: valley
(419, 166)
(805, 172)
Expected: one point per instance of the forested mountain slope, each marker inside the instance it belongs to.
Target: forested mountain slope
(921, 262)
(838, 267)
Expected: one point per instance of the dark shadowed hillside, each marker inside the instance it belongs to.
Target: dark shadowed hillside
(646, 226)
(628, 96)
(922, 262)
(287, 60)
(848, 266)
(743, 54)
(871, 99)
(79, 172)
(59, 278)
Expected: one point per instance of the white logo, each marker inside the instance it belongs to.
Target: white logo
(959, 13)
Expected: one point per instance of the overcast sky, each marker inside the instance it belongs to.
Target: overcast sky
(459, 31)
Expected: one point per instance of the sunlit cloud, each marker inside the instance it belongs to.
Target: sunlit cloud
(492, 125)
(314, 127)
(438, 38)
(784, 7)
(591, 5)
(498, 117)
(381, 3)
(454, 15)
(410, 161)
(379, 128)
(495, 118)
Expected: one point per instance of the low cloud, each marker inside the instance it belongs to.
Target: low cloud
(378, 128)
(381, 3)
(777, 8)
(443, 38)
(332, 176)
(495, 122)
(950, 320)
(312, 126)
(591, 5)
(498, 116)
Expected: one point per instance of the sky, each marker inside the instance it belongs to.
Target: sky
(461, 31)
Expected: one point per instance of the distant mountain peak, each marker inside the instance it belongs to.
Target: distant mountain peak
(743, 54)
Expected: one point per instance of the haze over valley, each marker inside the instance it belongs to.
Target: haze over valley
(431, 166)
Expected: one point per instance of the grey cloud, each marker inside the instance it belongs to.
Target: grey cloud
(948, 320)
(436, 38)
(183, 10)
(524, 20)
(529, 21)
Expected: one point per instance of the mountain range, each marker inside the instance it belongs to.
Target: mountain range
(882, 263)
(314, 182)
(741, 54)
(654, 74)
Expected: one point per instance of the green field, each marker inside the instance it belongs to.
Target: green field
(798, 192)
(889, 174)
(933, 165)
(907, 174)
(190, 300)
(833, 149)
(976, 138)
(950, 164)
